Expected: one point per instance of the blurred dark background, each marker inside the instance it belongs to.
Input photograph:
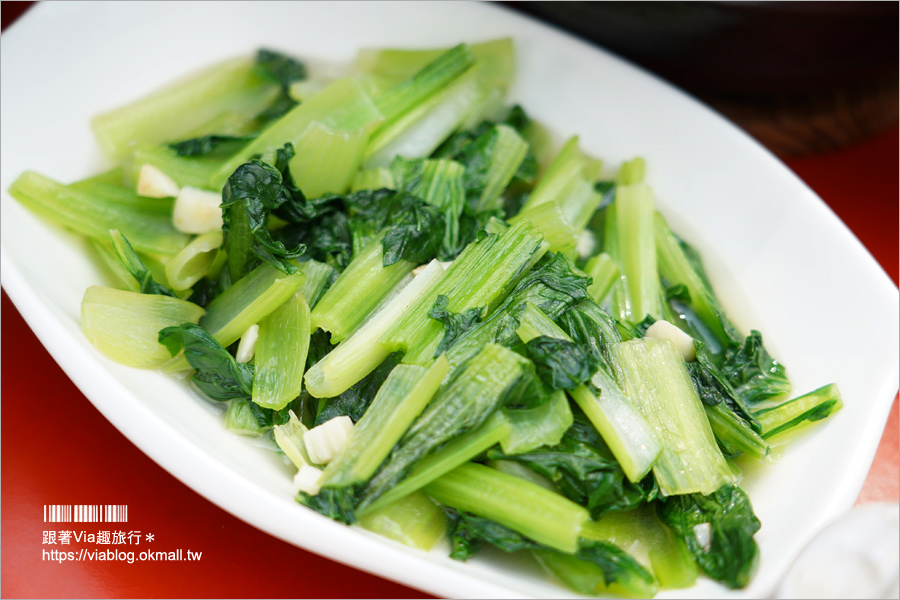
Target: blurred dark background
(803, 78)
(10, 11)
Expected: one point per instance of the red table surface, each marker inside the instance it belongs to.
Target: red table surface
(58, 449)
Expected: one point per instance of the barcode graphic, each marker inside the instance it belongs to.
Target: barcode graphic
(85, 513)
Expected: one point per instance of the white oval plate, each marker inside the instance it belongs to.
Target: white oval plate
(780, 260)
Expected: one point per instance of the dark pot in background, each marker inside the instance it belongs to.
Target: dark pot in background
(802, 77)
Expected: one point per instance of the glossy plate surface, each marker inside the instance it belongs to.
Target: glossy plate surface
(779, 259)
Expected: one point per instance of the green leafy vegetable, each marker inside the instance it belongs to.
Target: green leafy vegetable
(753, 373)
(217, 374)
(552, 285)
(455, 324)
(413, 233)
(335, 503)
(252, 192)
(609, 564)
(464, 404)
(132, 263)
(713, 386)
(321, 224)
(467, 532)
(206, 290)
(354, 402)
(279, 67)
(797, 413)
(440, 184)
(599, 568)
(268, 417)
(499, 389)
(561, 364)
(327, 238)
(284, 70)
(527, 172)
(400, 399)
(731, 555)
(593, 330)
(206, 144)
(584, 470)
(469, 283)
(414, 228)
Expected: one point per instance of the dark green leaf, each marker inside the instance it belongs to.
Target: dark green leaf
(552, 285)
(561, 364)
(279, 67)
(584, 470)
(371, 211)
(354, 402)
(515, 199)
(440, 186)
(204, 292)
(415, 229)
(753, 373)
(132, 263)
(679, 300)
(415, 233)
(468, 531)
(678, 292)
(327, 239)
(207, 144)
(518, 119)
(630, 331)
(593, 330)
(464, 539)
(335, 503)
(451, 413)
(531, 391)
(732, 554)
(268, 417)
(319, 346)
(473, 149)
(319, 224)
(607, 189)
(455, 324)
(217, 374)
(284, 70)
(277, 109)
(610, 564)
(252, 192)
(713, 387)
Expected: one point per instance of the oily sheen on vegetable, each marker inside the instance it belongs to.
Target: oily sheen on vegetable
(443, 334)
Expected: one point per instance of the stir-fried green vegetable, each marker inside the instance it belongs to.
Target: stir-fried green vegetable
(372, 273)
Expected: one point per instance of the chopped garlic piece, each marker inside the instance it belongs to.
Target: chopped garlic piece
(197, 211)
(324, 441)
(153, 183)
(703, 534)
(663, 330)
(586, 246)
(307, 480)
(247, 345)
